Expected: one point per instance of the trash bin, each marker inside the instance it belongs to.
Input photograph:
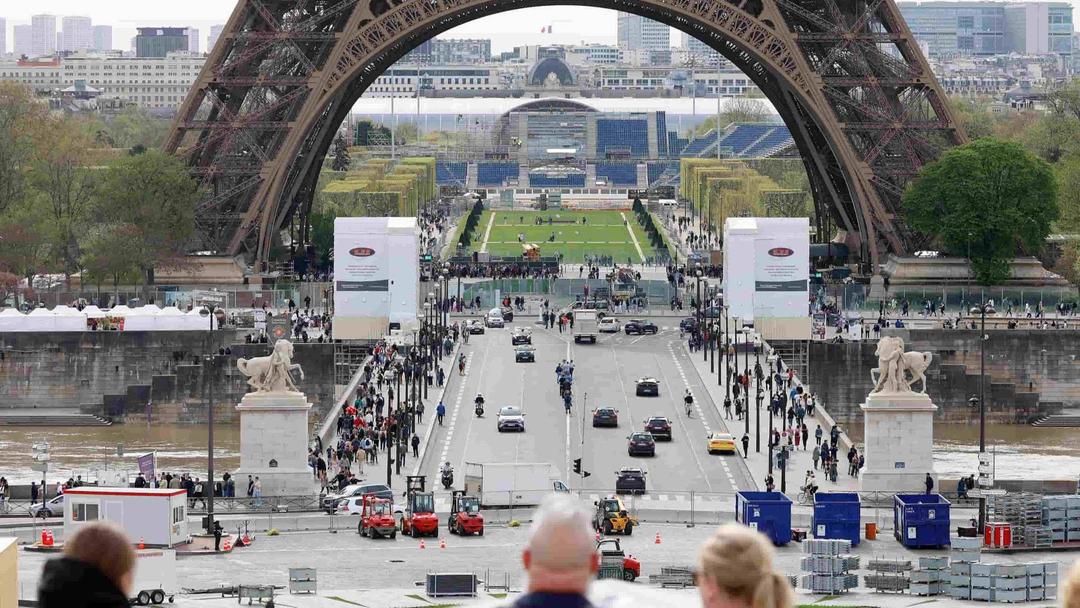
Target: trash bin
(921, 520)
(871, 530)
(766, 512)
(836, 515)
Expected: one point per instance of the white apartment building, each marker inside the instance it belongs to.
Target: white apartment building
(215, 33)
(103, 38)
(151, 83)
(77, 34)
(23, 40)
(400, 80)
(637, 32)
(42, 36)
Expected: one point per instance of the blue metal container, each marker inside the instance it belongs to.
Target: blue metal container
(766, 512)
(921, 520)
(837, 515)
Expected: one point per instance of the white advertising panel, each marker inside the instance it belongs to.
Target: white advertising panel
(782, 268)
(368, 268)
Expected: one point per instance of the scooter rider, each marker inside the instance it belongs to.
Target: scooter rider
(447, 472)
(479, 404)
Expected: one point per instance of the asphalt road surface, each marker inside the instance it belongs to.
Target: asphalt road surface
(605, 375)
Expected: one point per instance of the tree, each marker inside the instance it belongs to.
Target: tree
(1068, 179)
(984, 200)
(340, 154)
(25, 247)
(108, 255)
(21, 117)
(738, 109)
(406, 132)
(151, 198)
(137, 127)
(1068, 264)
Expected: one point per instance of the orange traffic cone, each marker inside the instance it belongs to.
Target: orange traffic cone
(227, 546)
(142, 545)
(657, 541)
(442, 544)
(422, 545)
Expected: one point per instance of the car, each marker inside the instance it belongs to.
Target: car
(356, 489)
(647, 386)
(630, 480)
(608, 325)
(48, 509)
(507, 313)
(494, 319)
(641, 444)
(521, 335)
(524, 354)
(688, 324)
(476, 326)
(605, 416)
(721, 442)
(354, 505)
(510, 419)
(659, 427)
(640, 326)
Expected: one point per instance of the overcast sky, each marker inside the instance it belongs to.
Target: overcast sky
(569, 24)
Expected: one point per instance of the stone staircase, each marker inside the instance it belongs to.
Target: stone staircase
(590, 175)
(1058, 421)
(471, 176)
(642, 176)
(45, 418)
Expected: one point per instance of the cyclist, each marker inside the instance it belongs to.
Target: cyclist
(689, 401)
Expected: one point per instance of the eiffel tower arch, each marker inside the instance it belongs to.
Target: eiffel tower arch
(846, 77)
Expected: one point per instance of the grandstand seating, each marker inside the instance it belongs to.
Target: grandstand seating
(621, 134)
(778, 137)
(658, 169)
(494, 174)
(447, 173)
(570, 180)
(617, 174)
(700, 144)
(737, 140)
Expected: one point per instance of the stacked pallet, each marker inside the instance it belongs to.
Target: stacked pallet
(1024, 513)
(673, 576)
(964, 552)
(1013, 582)
(931, 577)
(889, 575)
(828, 566)
(1061, 515)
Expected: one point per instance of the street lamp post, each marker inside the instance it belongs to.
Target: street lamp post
(983, 309)
(209, 309)
(772, 406)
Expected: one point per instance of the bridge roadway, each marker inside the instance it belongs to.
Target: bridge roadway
(605, 375)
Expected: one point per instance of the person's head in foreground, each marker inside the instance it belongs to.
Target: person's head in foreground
(560, 556)
(1070, 591)
(735, 570)
(96, 571)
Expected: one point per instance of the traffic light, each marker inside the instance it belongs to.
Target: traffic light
(577, 466)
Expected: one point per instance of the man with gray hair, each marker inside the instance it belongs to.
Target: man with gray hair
(560, 556)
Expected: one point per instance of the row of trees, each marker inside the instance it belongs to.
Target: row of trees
(1015, 183)
(72, 202)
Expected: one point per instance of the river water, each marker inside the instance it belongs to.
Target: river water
(1022, 452)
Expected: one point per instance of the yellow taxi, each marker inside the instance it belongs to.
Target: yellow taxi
(721, 442)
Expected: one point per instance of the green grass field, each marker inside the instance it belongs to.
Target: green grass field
(603, 233)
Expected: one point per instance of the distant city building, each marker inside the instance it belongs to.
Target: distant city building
(151, 83)
(160, 41)
(193, 40)
(77, 34)
(637, 32)
(947, 29)
(593, 53)
(103, 38)
(42, 36)
(400, 80)
(3, 36)
(23, 41)
(215, 33)
(700, 54)
(451, 51)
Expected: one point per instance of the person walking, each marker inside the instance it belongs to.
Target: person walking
(818, 434)
(929, 482)
(816, 455)
(440, 412)
(256, 491)
(745, 445)
(217, 536)
(251, 487)
(415, 445)
(727, 408)
(33, 492)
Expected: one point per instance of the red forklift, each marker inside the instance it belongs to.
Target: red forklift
(376, 518)
(419, 518)
(465, 517)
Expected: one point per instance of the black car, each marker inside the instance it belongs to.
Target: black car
(521, 336)
(640, 326)
(641, 444)
(508, 313)
(476, 327)
(688, 324)
(647, 386)
(524, 354)
(659, 427)
(605, 416)
(630, 481)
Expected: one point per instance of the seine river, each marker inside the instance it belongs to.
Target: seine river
(1022, 452)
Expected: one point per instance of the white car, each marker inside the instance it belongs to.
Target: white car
(511, 419)
(608, 325)
(354, 505)
(52, 508)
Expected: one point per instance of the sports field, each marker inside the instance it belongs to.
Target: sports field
(602, 233)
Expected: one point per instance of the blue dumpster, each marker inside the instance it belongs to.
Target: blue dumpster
(766, 512)
(921, 520)
(837, 515)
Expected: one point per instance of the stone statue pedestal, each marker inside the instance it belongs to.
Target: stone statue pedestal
(898, 439)
(274, 436)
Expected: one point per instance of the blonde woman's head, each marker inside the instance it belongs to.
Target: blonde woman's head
(1070, 592)
(735, 570)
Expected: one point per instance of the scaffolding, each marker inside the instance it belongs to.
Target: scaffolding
(349, 356)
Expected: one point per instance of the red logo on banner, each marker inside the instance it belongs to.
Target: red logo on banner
(780, 252)
(362, 252)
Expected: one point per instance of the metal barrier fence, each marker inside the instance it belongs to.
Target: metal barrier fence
(855, 297)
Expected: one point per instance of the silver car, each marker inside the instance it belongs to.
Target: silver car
(511, 419)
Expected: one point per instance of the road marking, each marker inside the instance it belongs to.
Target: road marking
(457, 408)
(633, 237)
(487, 233)
(682, 423)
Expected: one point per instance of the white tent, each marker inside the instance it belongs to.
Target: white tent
(12, 320)
(120, 310)
(67, 318)
(143, 318)
(93, 312)
(172, 318)
(40, 319)
(195, 320)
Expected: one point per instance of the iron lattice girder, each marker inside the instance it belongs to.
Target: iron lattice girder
(286, 71)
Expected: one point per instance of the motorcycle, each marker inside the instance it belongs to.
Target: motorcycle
(447, 479)
(479, 410)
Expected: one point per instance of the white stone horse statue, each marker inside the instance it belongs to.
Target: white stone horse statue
(270, 374)
(890, 376)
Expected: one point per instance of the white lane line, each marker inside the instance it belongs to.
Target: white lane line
(487, 233)
(457, 409)
(701, 413)
(682, 423)
(633, 237)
